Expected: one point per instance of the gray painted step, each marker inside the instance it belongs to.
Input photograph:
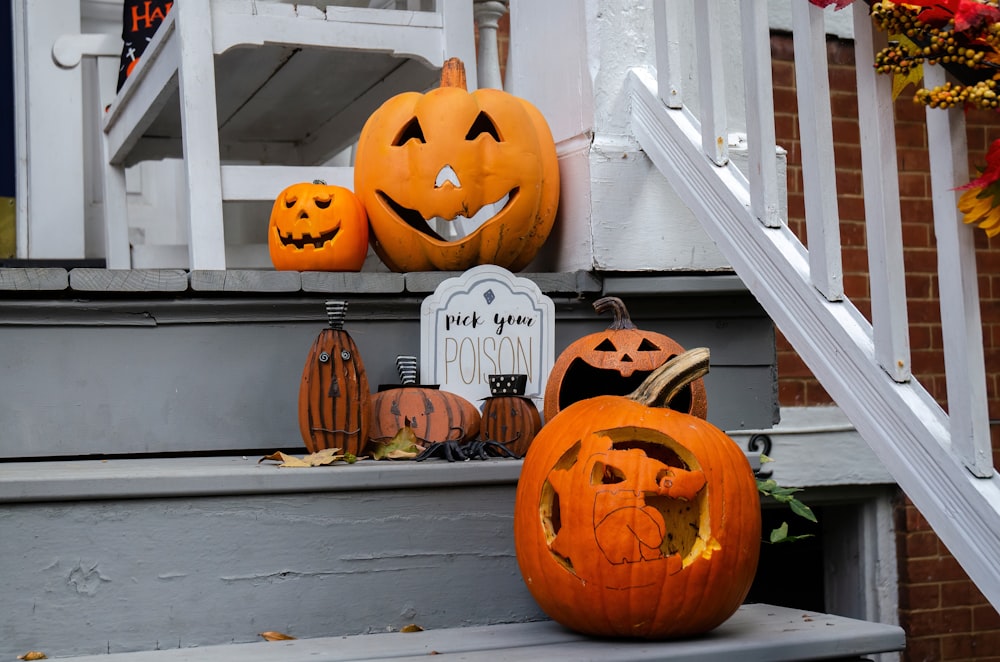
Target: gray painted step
(756, 633)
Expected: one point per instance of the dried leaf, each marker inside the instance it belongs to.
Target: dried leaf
(412, 627)
(271, 635)
(323, 457)
(403, 446)
(33, 655)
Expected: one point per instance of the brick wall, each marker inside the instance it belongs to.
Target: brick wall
(944, 615)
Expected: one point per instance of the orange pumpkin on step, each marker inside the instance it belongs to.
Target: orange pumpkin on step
(315, 227)
(453, 179)
(635, 520)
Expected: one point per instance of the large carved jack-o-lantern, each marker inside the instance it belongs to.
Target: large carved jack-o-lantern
(482, 163)
(634, 520)
(615, 362)
(316, 227)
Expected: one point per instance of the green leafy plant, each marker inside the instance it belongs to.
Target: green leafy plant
(786, 495)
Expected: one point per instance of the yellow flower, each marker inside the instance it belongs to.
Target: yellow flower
(982, 206)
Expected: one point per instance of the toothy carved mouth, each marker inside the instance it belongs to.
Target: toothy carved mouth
(459, 226)
(306, 239)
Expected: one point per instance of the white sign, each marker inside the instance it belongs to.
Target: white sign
(486, 321)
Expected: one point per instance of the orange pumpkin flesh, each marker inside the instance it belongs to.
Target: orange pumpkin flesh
(615, 362)
(637, 521)
(315, 227)
(449, 154)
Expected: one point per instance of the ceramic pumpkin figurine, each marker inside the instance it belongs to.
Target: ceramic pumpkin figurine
(453, 179)
(433, 414)
(334, 398)
(508, 416)
(315, 227)
(614, 362)
(635, 520)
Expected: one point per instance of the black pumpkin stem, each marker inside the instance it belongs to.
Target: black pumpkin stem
(336, 312)
(663, 384)
(617, 307)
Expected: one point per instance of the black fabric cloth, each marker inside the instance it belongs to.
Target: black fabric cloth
(140, 18)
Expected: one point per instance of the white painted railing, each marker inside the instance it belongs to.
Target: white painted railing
(942, 460)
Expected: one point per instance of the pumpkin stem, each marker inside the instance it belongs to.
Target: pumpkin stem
(616, 306)
(664, 383)
(336, 311)
(453, 74)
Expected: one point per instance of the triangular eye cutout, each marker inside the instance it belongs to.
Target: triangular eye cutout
(483, 124)
(411, 131)
(647, 346)
(606, 346)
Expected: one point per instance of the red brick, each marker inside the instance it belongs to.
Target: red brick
(922, 596)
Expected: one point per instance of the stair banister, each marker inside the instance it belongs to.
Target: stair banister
(942, 463)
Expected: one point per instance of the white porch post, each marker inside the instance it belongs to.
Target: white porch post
(49, 125)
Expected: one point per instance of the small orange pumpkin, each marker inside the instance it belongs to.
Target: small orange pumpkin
(456, 156)
(316, 227)
(633, 520)
(433, 415)
(615, 362)
(334, 398)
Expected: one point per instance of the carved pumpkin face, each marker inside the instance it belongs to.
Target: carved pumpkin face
(615, 362)
(452, 179)
(636, 521)
(315, 227)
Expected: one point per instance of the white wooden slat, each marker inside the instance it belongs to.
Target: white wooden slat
(961, 321)
(882, 210)
(266, 182)
(902, 423)
(69, 49)
(816, 143)
(666, 30)
(206, 240)
(762, 151)
(457, 39)
(711, 82)
(145, 92)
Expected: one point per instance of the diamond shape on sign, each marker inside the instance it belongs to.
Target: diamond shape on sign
(489, 296)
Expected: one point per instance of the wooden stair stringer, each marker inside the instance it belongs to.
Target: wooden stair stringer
(905, 427)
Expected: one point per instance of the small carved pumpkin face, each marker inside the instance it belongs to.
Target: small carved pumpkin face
(615, 362)
(315, 227)
(454, 179)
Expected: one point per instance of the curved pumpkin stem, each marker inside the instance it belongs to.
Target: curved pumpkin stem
(453, 74)
(617, 307)
(664, 383)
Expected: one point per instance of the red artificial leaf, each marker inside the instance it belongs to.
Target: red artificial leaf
(837, 4)
(971, 14)
(991, 172)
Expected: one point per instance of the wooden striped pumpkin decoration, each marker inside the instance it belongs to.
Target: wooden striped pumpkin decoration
(334, 398)
(433, 414)
(508, 416)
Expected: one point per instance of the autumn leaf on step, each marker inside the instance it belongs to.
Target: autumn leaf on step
(412, 627)
(285, 459)
(271, 635)
(403, 446)
(33, 655)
